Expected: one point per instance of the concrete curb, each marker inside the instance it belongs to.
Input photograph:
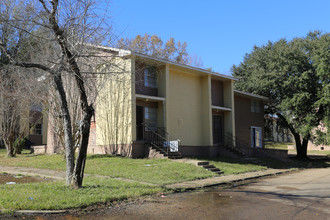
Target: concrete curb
(222, 180)
(41, 211)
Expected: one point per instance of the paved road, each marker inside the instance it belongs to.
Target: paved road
(299, 195)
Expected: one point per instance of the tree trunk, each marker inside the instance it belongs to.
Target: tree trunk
(69, 152)
(10, 149)
(301, 147)
(81, 158)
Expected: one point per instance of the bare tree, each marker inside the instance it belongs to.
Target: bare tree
(17, 87)
(57, 46)
(153, 45)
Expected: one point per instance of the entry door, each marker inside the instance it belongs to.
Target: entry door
(217, 129)
(256, 137)
(139, 122)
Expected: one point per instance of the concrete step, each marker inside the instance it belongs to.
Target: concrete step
(214, 169)
(201, 163)
(208, 166)
(175, 157)
(219, 172)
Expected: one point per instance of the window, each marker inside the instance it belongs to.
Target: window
(255, 106)
(36, 129)
(150, 79)
(150, 117)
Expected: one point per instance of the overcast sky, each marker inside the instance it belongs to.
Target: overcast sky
(220, 32)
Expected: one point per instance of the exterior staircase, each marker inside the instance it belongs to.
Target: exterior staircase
(206, 165)
(160, 143)
(235, 145)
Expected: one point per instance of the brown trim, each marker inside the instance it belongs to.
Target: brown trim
(217, 112)
(146, 103)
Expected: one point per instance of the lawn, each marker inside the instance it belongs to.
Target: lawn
(55, 195)
(284, 146)
(156, 171)
(278, 145)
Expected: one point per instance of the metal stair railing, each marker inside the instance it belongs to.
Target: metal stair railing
(170, 140)
(236, 144)
(235, 141)
(159, 138)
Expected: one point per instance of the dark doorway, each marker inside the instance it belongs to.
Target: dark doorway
(217, 129)
(139, 122)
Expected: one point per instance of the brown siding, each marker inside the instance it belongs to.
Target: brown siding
(139, 81)
(217, 112)
(217, 92)
(244, 118)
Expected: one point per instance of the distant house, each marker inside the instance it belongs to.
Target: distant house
(277, 134)
(148, 101)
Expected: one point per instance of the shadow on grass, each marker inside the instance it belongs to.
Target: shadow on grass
(292, 162)
(98, 156)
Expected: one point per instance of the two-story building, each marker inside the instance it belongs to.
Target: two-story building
(200, 108)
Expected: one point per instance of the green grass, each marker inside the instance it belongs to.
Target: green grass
(278, 145)
(284, 146)
(156, 171)
(54, 162)
(55, 195)
(324, 152)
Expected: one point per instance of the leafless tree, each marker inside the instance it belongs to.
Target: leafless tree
(17, 87)
(153, 45)
(56, 45)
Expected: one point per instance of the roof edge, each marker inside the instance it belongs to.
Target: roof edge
(251, 95)
(124, 52)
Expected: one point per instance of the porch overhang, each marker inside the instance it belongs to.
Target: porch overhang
(150, 98)
(221, 108)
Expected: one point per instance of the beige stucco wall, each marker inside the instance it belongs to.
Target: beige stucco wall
(24, 123)
(207, 111)
(229, 119)
(44, 127)
(114, 106)
(185, 110)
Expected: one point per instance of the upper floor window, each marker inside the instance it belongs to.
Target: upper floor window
(255, 106)
(150, 77)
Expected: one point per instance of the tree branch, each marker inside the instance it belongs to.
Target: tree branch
(44, 5)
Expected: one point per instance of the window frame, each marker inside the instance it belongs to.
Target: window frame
(150, 77)
(150, 117)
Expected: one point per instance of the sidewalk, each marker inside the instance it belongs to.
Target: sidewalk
(225, 179)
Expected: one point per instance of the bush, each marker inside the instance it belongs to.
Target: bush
(2, 144)
(19, 144)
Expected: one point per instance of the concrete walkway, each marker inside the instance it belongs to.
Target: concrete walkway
(60, 175)
(28, 171)
(54, 174)
(225, 179)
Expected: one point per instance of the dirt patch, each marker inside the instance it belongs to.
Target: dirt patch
(19, 179)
